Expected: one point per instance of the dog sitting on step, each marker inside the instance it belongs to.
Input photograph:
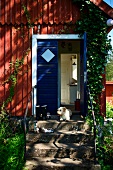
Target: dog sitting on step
(64, 113)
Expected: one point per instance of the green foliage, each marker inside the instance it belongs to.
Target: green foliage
(27, 15)
(93, 22)
(105, 146)
(105, 140)
(109, 110)
(15, 68)
(11, 137)
(11, 145)
(109, 70)
(12, 153)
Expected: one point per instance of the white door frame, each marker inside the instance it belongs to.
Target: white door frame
(36, 37)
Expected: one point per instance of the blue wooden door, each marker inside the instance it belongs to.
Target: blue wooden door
(83, 76)
(47, 74)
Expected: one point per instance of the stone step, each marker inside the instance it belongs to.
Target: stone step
(61, 136)
(60, 150)
(48, 163)
(63, 143)
(57, 125)
(70, 146)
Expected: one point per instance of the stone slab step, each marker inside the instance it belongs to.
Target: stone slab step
(60, 164)
(56, 125)
(61, 136)
(60, 150)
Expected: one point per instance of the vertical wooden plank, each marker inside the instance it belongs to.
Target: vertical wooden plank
(57, 13)
(14, 56)
(12, 11)
(25, 68)
(35, 30)
(14, 14)
(10, 51)
(68, 16)
(37, 12)
(50, 29)
(30, 7)
(45, 11)
(17, 11)
(7, 11)
(33, 11)
(7, 60)
(22, 53)
(62, 11)
(23, 15)
(44, 29)
(51, 11)
(2, 12)
(40, 11)
(29, 72)
(9, 54)
(2, 69)
(19, 76)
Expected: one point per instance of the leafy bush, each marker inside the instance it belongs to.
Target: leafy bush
(105, 148)
(109, 110)
(11, 146)
(105, 140)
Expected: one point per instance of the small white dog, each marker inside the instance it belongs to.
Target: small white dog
(64, 113)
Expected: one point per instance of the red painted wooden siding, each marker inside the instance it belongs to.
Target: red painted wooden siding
(40, 11)
(15, 39)
(14, 43)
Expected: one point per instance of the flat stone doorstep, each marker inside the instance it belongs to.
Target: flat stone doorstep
(57, 126)
(60, 132)
(52, 163)
(57, 146)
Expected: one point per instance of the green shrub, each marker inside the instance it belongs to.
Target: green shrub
(109, 110)
(105, 141)
(11, 146)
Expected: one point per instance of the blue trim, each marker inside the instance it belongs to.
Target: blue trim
(83, 78)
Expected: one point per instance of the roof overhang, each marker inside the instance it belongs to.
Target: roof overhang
(105, 8)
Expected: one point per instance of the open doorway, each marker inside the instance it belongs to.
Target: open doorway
(70, 89)
(69, 66)
(46, 73)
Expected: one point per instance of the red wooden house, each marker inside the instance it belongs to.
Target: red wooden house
(51, 57)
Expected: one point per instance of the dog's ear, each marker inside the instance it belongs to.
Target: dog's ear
(64, 109)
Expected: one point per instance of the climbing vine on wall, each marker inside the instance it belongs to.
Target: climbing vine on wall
(93, 22)
(16, 66)
(15, 69)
